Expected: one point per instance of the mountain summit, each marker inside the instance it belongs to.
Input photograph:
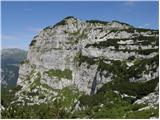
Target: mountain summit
(93, 66)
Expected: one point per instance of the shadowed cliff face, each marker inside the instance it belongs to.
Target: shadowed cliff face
(89, 57)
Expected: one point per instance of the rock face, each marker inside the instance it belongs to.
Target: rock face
(151, 99)
(84, 55)
(10, 61)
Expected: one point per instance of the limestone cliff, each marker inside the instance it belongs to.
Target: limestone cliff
(85, 55)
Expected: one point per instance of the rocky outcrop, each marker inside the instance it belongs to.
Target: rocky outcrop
(83, 54)
(151, 99)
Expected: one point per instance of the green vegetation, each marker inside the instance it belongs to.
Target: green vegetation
(113, 42)
(50, 110)
(147, 51)
(144, 114)
(97, 21)
(70, 94)
(37, 83)
(83, 35)
(132, 29)
(68, 17)
(140, 51)
(79, 58)
(145, 30)
(30, 75)
(122, 23)
(138, 89)
(75, 33)
(139, 40)
(139, 66)
(76, 36)
(101, 98)
(104, 44)
(121, 79)
(46, 28)
(36, 80)
(122, 74)
(35, 37)
(128, 30)
(60, 108)
(32, 94)
(120, 68)
(146, 40)
(108, 104)
(8, 94)
(60, 74)
(72, 41)
(86, 59)
(103, 104)
(33, 42)
(48, 87)
(24, 62)
(62, 22)
(38, 77)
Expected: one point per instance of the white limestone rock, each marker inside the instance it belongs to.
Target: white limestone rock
(56, 48)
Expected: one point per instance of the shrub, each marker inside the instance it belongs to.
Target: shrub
(60, 74)
(97, 21)
(24, 62)
(32, 43)
(144, 30)
(70, 94)
(47, 111)
(147, 51)
(122, 23)
(144, 114)
(46, 28)
(138, 89)
(131, 58)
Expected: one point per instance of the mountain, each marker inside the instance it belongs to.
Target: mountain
(10, 61)
(89, 69)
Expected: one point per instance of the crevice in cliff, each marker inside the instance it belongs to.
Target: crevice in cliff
(96, 79)
(94, 84)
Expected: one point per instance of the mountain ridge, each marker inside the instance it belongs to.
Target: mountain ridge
(93, 64)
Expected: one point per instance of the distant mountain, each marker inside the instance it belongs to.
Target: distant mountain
(10, 61)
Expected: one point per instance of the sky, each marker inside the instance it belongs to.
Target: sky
(21, 21)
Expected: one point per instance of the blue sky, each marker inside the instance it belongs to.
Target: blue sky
(22, 20)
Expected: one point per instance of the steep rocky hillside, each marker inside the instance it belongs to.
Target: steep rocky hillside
(10, 61)
(93, 69)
